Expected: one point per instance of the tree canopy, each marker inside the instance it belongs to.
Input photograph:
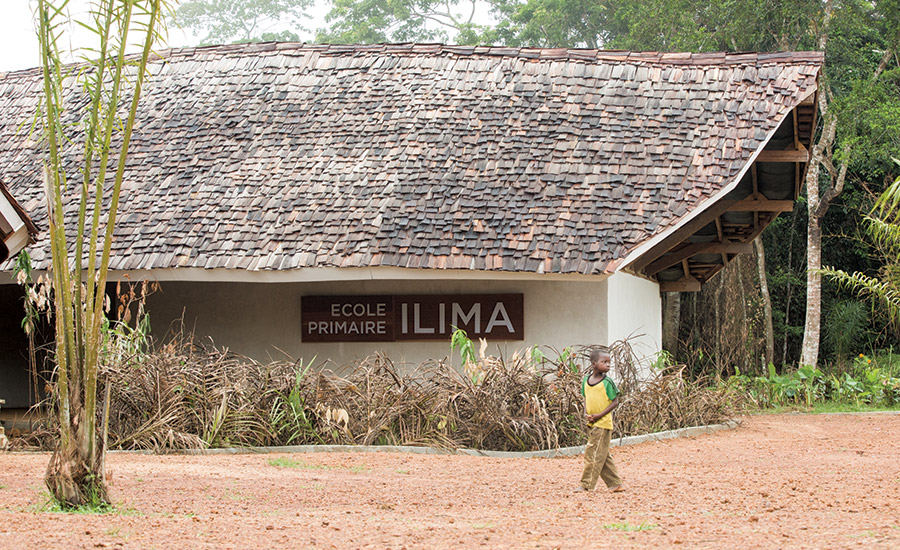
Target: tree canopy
(374, 21)
(226, 21)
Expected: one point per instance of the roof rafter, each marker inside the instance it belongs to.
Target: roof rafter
(687, 251)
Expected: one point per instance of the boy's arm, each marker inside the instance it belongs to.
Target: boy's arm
(591, 418)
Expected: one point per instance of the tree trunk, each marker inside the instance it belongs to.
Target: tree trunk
(766, 299)
(671, 320)
(75, 475)
(790, 291)
(822, 154)
(812, 328)
(717, 300)
(74, 478)
(818, 207)
(747, 333)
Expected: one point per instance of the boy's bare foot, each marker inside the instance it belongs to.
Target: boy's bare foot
(617, 489)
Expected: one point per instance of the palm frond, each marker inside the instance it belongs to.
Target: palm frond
(887, 206)
(885, 235)
(881, 291)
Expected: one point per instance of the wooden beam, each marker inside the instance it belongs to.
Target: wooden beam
(756, 194)
(686, 271)
(693, 249)
(801, 178)
(757, 231)
(797, 144)
(682, 233)
(755, 205)
(754, 177)
(692, 285)
(770, 155)
(815, 120)
(712, 271)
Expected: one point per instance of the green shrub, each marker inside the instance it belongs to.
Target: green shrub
(865, 382)
(845, 325)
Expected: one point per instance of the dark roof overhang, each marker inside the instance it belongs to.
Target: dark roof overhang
(691, 254)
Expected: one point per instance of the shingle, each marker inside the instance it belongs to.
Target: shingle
(284, 156)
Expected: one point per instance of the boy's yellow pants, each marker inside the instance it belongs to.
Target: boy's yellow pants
(598, 463)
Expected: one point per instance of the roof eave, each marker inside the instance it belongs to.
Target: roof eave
(16, 227)
(630, 259)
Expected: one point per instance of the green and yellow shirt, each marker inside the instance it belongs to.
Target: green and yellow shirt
(597, 398)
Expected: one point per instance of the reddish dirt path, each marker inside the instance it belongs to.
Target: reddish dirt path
(785, 481)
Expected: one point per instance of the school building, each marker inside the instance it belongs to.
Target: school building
(334, 201)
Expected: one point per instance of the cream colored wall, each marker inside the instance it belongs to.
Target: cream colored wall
(635, 310)
(258, 319)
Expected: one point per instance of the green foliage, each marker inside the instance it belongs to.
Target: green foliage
(567, 360)
(883, 227)
(867, 382)
(232, 21)
(826, 407)
(785, 245)
(551, 23)
(287, 462)
(291, 420)
(49, 505)
(661, 25)
(869, 123)
(845, 325)
(376, 21)
(663, 360)
(459, 340)
(95, 504)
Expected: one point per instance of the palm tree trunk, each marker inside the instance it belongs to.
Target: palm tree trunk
(76, 474)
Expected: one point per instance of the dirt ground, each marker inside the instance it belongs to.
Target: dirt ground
(784, 481)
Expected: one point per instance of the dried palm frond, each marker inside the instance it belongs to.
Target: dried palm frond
(184, 396)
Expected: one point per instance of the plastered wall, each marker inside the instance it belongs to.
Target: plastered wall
(634, 308)
(262, 320)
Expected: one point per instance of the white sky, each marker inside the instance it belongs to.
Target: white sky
(18, 42)
(18, 45)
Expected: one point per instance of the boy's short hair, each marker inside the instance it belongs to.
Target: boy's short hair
(598, 353)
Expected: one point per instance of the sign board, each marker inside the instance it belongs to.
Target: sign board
(412, 317)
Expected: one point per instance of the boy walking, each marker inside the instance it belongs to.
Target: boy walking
(601, 397)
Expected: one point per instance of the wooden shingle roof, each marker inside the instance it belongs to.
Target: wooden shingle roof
(285, 156)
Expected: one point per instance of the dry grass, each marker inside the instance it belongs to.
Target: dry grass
(670, 401)
(185, 396)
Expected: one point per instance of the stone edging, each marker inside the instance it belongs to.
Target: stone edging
(551, 453)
